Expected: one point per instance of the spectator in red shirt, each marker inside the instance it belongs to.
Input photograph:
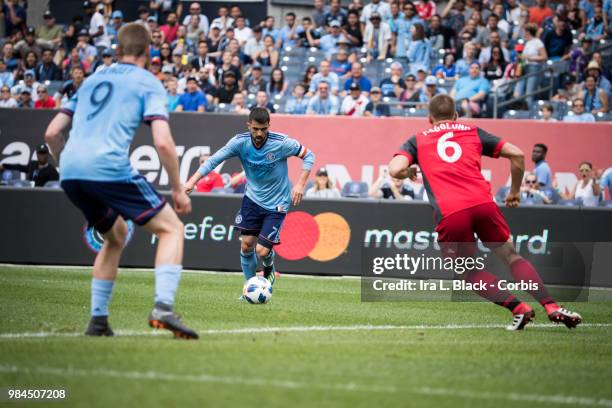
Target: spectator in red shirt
(170, 28)
(539, 12)
(212, 180)
(44, 101)
(425, 8)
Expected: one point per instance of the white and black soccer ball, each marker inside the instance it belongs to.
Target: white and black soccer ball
(257, 290)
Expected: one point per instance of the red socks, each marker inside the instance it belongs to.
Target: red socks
(522, 270)
(492, 291)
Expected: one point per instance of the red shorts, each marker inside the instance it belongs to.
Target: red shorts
(484, 220)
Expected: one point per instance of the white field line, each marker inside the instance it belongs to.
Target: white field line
(290, 329)
(300, 385)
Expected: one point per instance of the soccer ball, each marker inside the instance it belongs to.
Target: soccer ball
(257, 290)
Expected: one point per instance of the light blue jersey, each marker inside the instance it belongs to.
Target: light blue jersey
(266, 170)
(106, 111)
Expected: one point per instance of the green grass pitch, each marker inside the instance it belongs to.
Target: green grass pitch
(315, 345)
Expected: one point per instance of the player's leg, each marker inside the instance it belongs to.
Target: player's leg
(268, 238)
(492, 229)
(249, 221)
(456, 238)
(248, 258)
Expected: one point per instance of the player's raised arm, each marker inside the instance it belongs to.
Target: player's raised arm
(162, 139)
(226, 152)
(517, 169)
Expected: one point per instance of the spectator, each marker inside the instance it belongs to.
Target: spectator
(254, 45)
(255, 82)
(579, 56)
(6, 99)
(329, 42)
(440, 36)
(546, 113)
(324, 102)
(308, 35)
(426, 9)
(8, 55)
(172, 98)
(261, 101)
(165, 54)
(326, 75)
(289, 34)
(226, 66)
(390, 188)
(30, 83)
(500, 11)
(377, 37)
(568, 91)
(513, 12)
(594, 69)
(193, 100)
(542, 169)
(355, 102)
(533, 57)
(595, 99)
(87, 52)
(357, 77)
(14, 16)
(207, 183)
(483, 37)
(214, 41)
(335, 13)
(577, 114)
(485, 53)
(30, 61)
(606, 181)
(242, 32)
(462, 40)
(471, 91)
(558, 41)
(447, 69)
(297, 104)
(455, 15)
(170, 29)
(411, 91)
(163, 8)
(530, 189)
(40, 171)
(194, 10)
(318, 14)
(375, 107)
(114, 25)
(28, 44)
(393, 86)
(539, 12)
(24, 98)
(202, 58)
(496, 66)
(323, 187)
(6, 77)
(182, 43)
(596, 29)
(194, 31)
(49, 34)
(429, 91)
(277, 86)
(311, 71)
(97, 27)
(206, 82)
(154, 68)
(587, 188)
(239, 104)
(379, 7)
(224, 21)
(352, 30)
(340, 65)
(268, 57)
(69, 88)
(44, 100)
(225, 93)
(469, 58)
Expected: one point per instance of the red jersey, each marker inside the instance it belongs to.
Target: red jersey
(208, 182)
(48, 104)
(449, 157)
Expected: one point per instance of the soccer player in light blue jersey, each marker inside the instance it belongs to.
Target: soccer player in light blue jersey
(96, 174)
(268, 194)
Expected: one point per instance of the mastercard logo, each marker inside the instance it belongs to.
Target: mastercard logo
(322, 237)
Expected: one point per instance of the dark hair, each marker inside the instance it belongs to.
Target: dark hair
(259, 115)
(419, 32)
(588, 163)
(502, 59)
(290, 14)
(548, 107)
(276, 85)
(307, 19)
(305, 80)
(353, 11)
(541, 146)
(442, 107)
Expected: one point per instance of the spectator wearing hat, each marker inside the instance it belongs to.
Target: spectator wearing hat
(155, 68)
(114, 25)
(323, 187)
(29, 44)
(195, 10)
(377, 37)
(193, 100)
(50, 33)
(29, 83)
(324, 74)
(595, 99)
(14, 16)
(6, 98)
(355, 102)
(297, 104)
(47, 70)
(152, 23)
(69, 88)
(429, 91)
(356, 77)
(470, 91)
(340, 64)
(24, 98)
(578, 114)
(375, 107)
(329, 42)
(40, 171)
(393, 85)
(262, 101)
(87, 52)
(106, 60)
(44, 100)
(6, 77)
(228, 88)
(324, 102)
(569, 90)
(411, 91)
(379, 7)
(594, 69)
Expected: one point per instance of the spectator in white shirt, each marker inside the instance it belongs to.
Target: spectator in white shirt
(194, 10)
(323, 187)
(6, 99)
(241, 32)
(97, 28)
(224, 21)
(355, 102)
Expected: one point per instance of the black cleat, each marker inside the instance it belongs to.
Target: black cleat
(98, 326)
(163, 317)
(567, 317)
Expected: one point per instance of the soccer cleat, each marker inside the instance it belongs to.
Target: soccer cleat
(567, 317)
(269, 274)
(163, 317)
(522, 315)
(98, 326)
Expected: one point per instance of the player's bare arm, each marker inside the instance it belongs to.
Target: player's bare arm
(517, 169)
(298, 189)
(399, 167)
(162, 139)
(53, 135)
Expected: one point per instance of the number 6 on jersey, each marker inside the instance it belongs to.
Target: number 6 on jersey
(444, 144)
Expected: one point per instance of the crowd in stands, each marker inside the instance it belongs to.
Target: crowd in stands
(377, 59)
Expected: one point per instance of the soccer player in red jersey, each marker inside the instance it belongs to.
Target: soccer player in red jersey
(449, 154)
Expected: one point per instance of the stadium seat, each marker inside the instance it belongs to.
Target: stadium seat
(355, 189)
(8, 175)
(20, 183)
(551, 194)
(517, 114)
(222, 190)
(501, 194)
(603, 117)
(53, 184)
(224, 108)
(416, 113)
(606, 204)
(570, 203)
